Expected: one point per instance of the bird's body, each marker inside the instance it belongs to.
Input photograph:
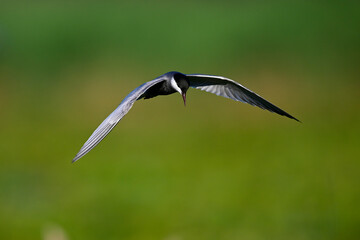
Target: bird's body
(161, 88)
(173, 82)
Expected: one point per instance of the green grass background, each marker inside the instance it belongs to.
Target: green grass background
(216, 169)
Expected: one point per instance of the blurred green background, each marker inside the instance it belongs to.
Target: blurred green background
(217, 169)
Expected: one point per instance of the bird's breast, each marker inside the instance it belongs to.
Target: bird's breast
(161, 88)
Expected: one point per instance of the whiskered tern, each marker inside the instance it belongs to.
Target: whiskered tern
(173, 82)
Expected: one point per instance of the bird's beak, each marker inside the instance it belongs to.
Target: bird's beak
(184, 97)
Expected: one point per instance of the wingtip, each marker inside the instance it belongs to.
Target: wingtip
(75, 159)
(294, 118)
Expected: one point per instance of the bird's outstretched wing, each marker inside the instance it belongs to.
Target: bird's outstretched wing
(228, 88)
(110, 122)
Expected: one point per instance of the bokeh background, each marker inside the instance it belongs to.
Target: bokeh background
(217, 169)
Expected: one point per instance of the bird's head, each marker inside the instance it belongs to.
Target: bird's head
(180, 83)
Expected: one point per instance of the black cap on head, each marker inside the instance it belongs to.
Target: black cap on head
(181, 81)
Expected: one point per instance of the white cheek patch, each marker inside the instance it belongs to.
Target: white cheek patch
(174, 85)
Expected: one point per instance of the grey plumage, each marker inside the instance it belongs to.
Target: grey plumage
(110, 122)
(228, 88)
(164, 85)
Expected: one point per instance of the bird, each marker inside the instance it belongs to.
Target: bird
(172, 82)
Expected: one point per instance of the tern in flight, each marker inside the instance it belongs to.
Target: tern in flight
(173, 82)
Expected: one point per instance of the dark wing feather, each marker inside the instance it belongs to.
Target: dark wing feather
(110, 122)
(228, 88)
